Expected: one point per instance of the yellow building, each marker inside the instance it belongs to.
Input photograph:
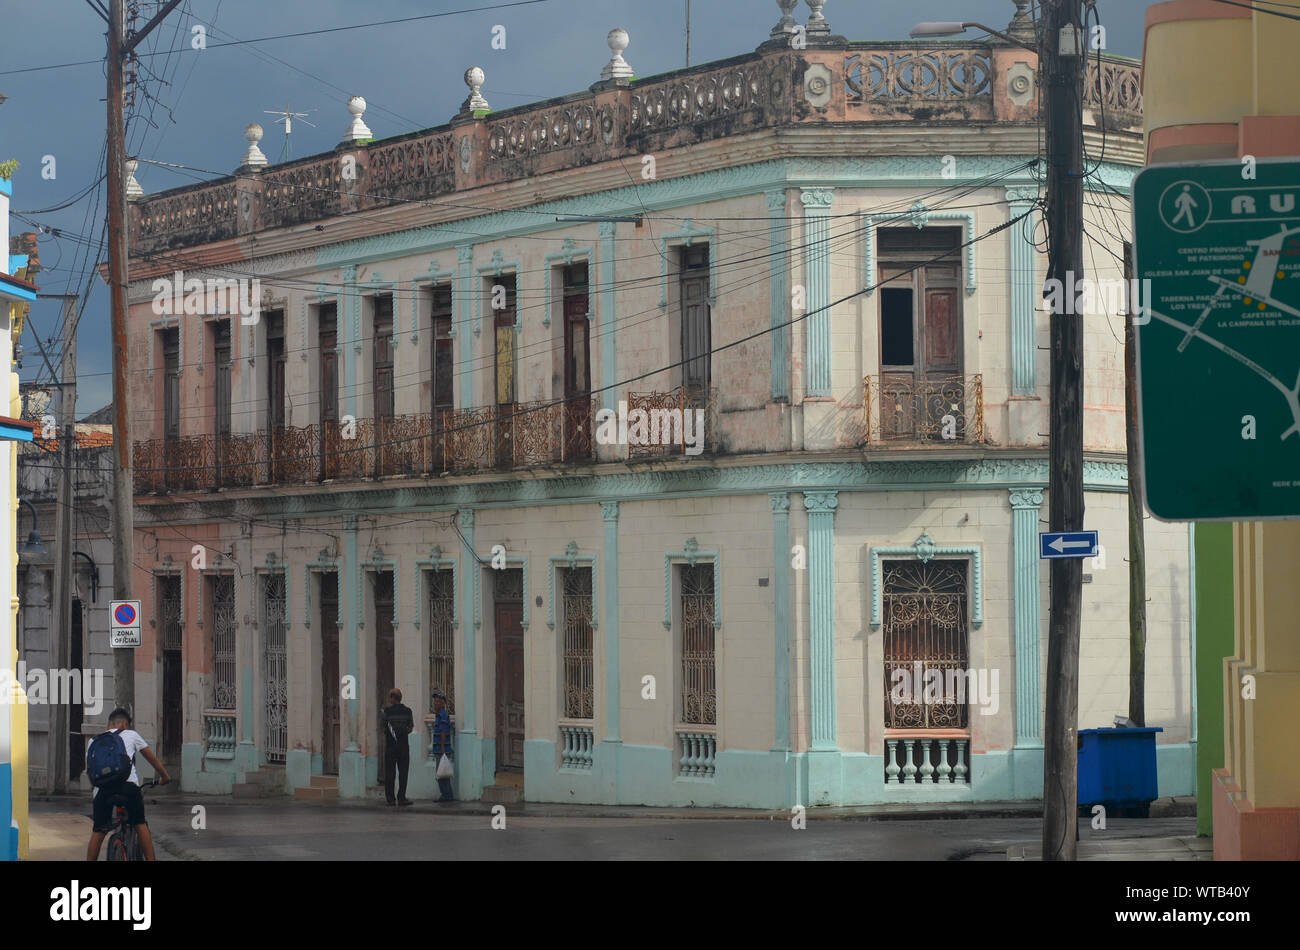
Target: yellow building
(16, 294)
(1221, 81)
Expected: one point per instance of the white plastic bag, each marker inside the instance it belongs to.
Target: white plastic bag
(444, 768)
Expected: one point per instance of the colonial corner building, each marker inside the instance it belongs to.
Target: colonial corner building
(825, 251)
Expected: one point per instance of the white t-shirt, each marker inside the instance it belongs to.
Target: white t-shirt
(134, 742)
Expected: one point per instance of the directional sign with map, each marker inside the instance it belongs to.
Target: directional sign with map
(1218, 339)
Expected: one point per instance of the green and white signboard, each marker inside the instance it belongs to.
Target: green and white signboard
(1218, 338)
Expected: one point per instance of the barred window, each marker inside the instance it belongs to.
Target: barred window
(924, 612)
(579, 693)
(224, 692)
(698, 673)
(442, 619)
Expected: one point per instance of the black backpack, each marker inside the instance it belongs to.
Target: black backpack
(106, 760)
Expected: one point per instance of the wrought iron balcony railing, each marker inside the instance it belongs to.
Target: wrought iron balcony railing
(902, 407)
(445, 441)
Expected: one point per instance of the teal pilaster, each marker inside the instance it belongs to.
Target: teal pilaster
(780, 294)
(825, 778)
(1025, 293)
(608, 359)
(781, 619)
(462, 303)
(821, 507)
(1024, 524)
(246, 751)
(351, 333)
(467, 707)
(613, 741)
(352, 776)
(817, 278)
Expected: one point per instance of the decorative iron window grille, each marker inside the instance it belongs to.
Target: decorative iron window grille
(579, 694)
(924, 620)
(698, 673)
(224, 691)
(169, 610)
(442, 620)
(275, 666)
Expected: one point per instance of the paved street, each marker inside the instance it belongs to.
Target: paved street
(260, 831)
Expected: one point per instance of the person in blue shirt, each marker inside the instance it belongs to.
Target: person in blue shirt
(442, 744)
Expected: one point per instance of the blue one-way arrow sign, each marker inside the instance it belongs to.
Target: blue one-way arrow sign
(1053, 544)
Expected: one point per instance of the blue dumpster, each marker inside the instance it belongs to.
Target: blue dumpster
(1117, 767)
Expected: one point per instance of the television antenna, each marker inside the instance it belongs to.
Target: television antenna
(287, 117)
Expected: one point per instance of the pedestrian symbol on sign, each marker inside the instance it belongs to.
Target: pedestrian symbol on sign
(1185, 207)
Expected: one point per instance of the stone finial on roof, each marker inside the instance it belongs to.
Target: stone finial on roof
(785, 26)
(617, 67)
(817, 25)
(474, 78)
(133, 189)
(1022, 24)
(253, 158)
(358, 130)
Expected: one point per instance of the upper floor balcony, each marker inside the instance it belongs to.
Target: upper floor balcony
(842, 86)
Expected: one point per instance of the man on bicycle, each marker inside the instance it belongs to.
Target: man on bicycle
(126, 792)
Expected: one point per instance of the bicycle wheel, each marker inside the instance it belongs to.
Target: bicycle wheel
(116, 848)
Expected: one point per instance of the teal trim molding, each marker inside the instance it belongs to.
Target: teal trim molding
(780, 502)
(779, 300)
(684, 238)
(691, 554)
(462, 316)
(433, 277)
(608, 351)
(821, 507)
(497, 267)
(569, 252)
(1026, 598)
(817, 291)
(570, 559)
(924, 549)
(920, 216)
(349, 328)
(1025, 294)
(610, 749)
(697, 481)
(377, 563)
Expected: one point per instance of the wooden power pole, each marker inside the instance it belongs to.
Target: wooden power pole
(1063, 71)
(119, 48)
(1137, 568)
(56, 779)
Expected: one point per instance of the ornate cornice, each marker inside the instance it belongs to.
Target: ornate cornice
(608, 489)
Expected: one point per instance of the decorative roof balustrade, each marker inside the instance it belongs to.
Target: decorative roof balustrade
(892, 82)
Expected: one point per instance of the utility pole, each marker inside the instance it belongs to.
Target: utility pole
(119, 48)
(56, 777)
(1063, 71)
(1137, 569)
(688, 33)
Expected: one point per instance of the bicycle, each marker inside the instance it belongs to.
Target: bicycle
(123, 842)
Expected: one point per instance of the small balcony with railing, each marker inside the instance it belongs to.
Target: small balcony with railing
(903, 409)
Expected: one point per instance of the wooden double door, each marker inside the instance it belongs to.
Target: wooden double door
(509, 616)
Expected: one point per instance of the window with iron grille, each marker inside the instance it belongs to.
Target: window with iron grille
(924, 611)
(698, 672)
(224, 692)
(579, 692)
(442, 632)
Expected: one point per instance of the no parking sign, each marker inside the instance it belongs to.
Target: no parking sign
(126, 630)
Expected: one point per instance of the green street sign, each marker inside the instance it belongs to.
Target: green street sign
(1218, 338)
